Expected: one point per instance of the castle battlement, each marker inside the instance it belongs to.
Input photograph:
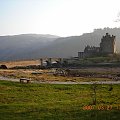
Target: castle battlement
(108, 36)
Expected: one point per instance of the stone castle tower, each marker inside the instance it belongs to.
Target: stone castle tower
(107, 45)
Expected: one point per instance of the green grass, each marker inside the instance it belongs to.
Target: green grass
(57, 102)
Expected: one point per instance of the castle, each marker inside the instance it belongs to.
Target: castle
(107, 47)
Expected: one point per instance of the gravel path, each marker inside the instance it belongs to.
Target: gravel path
(9, 79)
(57, 82)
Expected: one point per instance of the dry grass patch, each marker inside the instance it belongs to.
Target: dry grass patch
(11, 64)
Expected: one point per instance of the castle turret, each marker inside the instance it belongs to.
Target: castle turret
(107, 45)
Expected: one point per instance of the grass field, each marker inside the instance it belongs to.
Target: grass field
(58, 102)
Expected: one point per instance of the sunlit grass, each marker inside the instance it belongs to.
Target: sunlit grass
(58, 102)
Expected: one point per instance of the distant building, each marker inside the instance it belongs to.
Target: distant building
(107, 46)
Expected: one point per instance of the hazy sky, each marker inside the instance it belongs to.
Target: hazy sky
(57, 17)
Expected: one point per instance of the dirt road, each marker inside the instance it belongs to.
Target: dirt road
(57, 82)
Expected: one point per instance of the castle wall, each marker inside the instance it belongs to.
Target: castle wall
(81, 55)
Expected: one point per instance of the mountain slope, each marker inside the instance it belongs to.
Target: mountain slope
(32, 46)
(12, 47)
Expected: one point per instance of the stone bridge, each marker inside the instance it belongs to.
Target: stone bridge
(50, 61)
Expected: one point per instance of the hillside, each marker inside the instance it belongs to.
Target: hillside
(32, 46)
(15, 47)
